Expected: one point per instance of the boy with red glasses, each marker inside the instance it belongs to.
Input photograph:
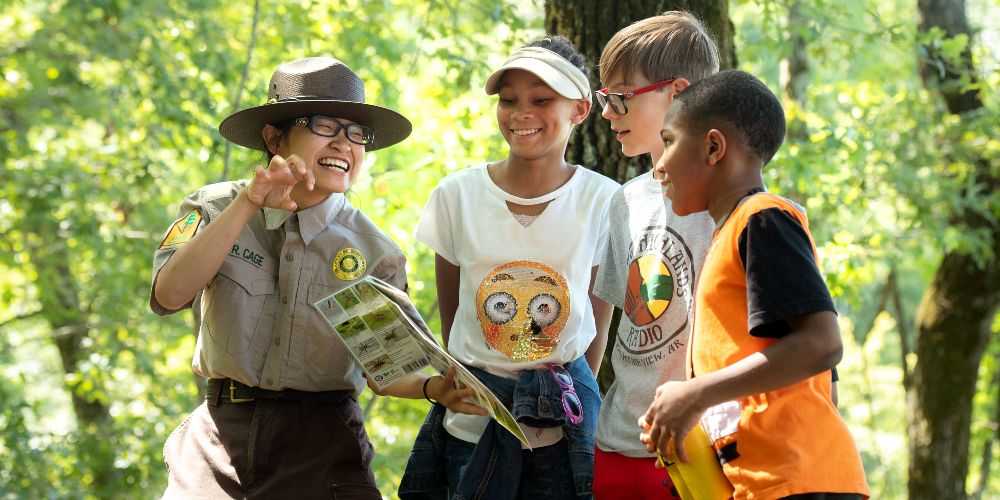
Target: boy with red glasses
(652, 255)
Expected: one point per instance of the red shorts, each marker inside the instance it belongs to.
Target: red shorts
(617, 477)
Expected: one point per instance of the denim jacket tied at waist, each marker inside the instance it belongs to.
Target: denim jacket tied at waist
(494, 470)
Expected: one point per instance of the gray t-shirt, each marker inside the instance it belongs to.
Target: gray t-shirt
(649, 270)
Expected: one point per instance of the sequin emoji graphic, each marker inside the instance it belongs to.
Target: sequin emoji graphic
(523, 307)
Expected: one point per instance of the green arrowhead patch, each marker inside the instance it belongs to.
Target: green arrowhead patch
(660, 287)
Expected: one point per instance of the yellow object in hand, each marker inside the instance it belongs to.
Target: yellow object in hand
(700, 478)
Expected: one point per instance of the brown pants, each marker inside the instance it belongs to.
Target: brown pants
(271, 449)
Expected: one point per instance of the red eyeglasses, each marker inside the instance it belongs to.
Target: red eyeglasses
(617, 99)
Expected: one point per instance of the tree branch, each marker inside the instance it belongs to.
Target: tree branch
(370, 405)
(60, 332)
(882, 301)
(5, 238)
(243, 82)
(902, 326)
(19, 317)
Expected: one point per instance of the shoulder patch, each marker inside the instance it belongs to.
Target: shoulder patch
(182, 230)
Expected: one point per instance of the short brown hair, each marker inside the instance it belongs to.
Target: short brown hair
(674, 44)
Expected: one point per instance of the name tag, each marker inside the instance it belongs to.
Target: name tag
(248, 255)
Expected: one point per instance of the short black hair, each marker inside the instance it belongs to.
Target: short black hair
(284, 127)
(562, 46)
(740, 100)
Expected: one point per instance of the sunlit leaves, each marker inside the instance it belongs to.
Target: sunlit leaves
(109, 113)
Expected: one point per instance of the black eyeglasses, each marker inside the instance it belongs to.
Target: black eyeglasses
(329, 127)
(617, 99)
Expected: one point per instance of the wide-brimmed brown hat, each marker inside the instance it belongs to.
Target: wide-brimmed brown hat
(315, 86)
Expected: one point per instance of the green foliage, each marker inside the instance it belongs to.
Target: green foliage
(108, 117)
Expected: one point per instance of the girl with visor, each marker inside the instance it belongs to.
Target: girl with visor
(516, 245)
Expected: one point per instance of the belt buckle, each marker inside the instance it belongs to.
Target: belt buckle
(232, 394)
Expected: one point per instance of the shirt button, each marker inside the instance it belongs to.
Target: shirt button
(289, 257)
(277, 341)
(284, 299)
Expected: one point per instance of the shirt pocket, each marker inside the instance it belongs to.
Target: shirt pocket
(241, 308)
(326, 355)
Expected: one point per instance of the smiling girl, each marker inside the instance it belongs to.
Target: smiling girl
(516, 245)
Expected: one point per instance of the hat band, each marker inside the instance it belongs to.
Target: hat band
(272, 100)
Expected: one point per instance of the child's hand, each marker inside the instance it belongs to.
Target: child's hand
(272, 187)
(675, 410)
(445, 390)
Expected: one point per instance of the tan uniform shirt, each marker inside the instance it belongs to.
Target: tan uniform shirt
(257, 323)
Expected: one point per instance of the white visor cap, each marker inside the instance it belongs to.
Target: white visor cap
(558, 73)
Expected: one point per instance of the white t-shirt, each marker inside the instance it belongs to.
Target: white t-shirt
(651, 263)
(523, 291)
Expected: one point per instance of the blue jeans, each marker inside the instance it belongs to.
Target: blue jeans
(544, 474)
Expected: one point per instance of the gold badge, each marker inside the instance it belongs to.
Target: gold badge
(349, 264)
(183, 230)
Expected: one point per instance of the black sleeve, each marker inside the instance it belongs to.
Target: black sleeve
(783, 281)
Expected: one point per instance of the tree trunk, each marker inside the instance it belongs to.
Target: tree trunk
(957, 309)
(798, 59)
(798, 82)
(589, 24)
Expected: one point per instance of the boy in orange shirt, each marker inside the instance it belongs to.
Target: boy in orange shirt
(765, 335)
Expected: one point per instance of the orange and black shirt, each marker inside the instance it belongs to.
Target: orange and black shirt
(761, 271)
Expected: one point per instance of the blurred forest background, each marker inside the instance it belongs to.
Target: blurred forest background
(108, 117)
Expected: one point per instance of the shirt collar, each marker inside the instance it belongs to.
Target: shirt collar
(312, 221)
(750, 193)
(275, 217)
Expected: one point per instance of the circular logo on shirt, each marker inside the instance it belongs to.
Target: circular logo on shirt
(349, 264)
(649, 290)
(522, 308)
(659, 281)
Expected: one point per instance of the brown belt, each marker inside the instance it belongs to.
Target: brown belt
(228, 390)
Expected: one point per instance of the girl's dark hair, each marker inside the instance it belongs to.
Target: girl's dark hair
(562, 46)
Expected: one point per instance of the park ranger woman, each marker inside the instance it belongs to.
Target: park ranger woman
(281, 418)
